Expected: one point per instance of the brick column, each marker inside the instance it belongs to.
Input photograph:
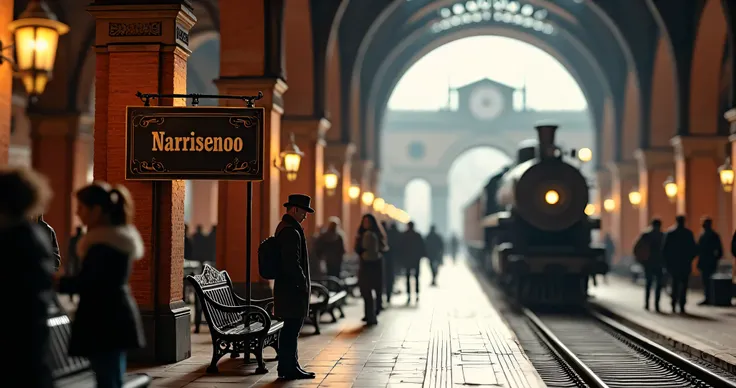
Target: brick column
(339, 156)
(309, 136)
(603, 180)
(204, 205)
(60, 149)
(697, 159)
(143, 48)
(625, 219)
(6, 83)
(655, 166)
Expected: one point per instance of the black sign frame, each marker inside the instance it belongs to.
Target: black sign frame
(150, 118)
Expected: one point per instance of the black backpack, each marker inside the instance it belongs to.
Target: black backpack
(268, 258)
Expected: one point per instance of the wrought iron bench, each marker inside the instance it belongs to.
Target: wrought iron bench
(75, 371)
(324, 300)
(226, 314)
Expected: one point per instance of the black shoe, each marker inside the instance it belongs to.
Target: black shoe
(371, 323)
(299, 367)
(296, 374)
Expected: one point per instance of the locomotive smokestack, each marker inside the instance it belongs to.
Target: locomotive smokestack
(546, 133)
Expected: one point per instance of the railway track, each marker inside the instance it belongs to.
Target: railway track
(603, 353)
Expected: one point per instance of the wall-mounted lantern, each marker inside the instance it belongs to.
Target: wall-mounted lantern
(289, 160)
(36, 34)
(354, 191)
(670, 188)
(379, 204)
(725, 172)
(609, 205)
(368, 198)
(635, 198)
(331, 177)
(589, 210)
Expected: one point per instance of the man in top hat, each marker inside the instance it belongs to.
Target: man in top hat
(292, 285)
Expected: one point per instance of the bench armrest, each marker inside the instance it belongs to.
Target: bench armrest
(266, 304)
(322, 292)
(332, 283)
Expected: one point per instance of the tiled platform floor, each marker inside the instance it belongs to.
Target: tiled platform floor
(706, 331)
(452, 337)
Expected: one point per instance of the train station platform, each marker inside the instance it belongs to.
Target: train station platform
(453, 336)
(706, 332)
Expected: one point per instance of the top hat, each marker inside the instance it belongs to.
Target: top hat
(301, 201)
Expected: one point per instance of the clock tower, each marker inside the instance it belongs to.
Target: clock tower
(485, 100)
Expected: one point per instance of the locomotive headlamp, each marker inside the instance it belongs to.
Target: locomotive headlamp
(609, 205)
(726, 174)
(552, 197)
(670, 188)
(589, 209)
(585, 155)
(635, 198)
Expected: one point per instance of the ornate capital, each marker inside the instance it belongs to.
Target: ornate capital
(694, 146)
(624, 170)
(655, 158)
(273, 90)
(305, 128)
(339, 154)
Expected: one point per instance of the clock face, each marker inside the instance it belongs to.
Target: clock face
(486, 103)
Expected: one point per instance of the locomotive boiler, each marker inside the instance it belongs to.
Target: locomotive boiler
(536, 235)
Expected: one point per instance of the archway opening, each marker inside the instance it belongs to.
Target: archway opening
(417, 198)
(468, 175)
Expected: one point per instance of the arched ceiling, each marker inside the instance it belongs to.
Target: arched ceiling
(621, 39)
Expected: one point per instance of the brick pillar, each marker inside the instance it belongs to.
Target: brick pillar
(143, 48)
(697, 159)
(309, 136)
(60, 149)
(339, 156)
(625, 218)
(6, 83)
(204, 205)
(603, 179)
(655, 166)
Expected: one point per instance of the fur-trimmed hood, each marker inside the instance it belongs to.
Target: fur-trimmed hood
(125, 239)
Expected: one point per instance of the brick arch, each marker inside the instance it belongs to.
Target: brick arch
(706, 69)
(299, 60)
(664, 116)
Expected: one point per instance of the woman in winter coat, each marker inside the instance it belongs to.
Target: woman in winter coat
(106, 305)
(28, 288)
(370, 245)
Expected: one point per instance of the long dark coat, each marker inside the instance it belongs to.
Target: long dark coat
(710, 250)
(412, 249)
(292, 285)
(28, 290)
(679, 249)
(54, 243)
(107, 318)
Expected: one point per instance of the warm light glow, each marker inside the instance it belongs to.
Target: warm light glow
(36, 34)
(390, 211)
(726, 174)
(291, 158)
(368, 198)
(379, 204)
(354, 191)
(331, 177)
(609, 205)
(635, 198)
(585, 155)
(590, 209)
(670, 188)
(552, 197)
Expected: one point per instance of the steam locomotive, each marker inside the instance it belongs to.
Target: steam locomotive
(529, 231)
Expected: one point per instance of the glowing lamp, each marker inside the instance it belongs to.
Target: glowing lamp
(354, 191)
(379, 204)
(36, 34)
(589, 209)
(331, 177)
(368, 198)
(635, 198)
(390, 211)
(552, 197)
(670, 188)
(609, 205)
(585, 155)
(291, 158)
(726, 174)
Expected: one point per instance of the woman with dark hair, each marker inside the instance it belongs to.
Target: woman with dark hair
(370, 245)
(29, 286)
(106, 305)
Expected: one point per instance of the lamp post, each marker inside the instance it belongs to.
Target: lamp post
(670, 188)
(635, 198)
(354, 191)
(290, 159)
(331, 177)
(609, 205)
(725, 172)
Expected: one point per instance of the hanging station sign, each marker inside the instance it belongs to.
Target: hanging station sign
(201, 143)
